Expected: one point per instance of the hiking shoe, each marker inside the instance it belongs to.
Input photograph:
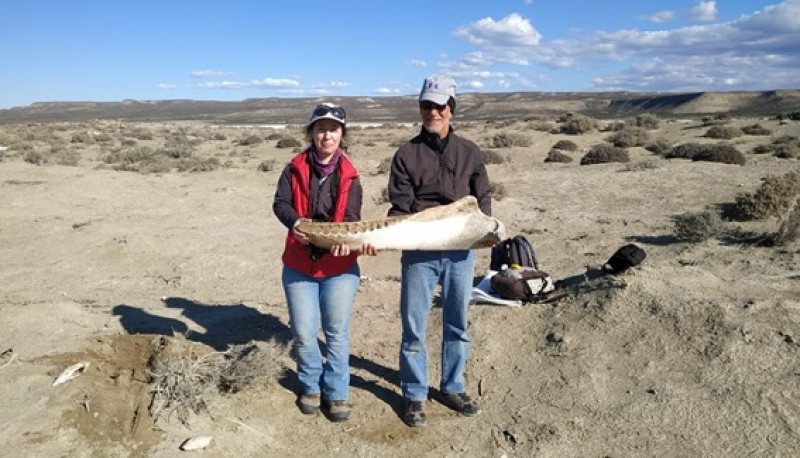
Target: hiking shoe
(414, 413)
(461, 403)
(338, 410)
(308, 403)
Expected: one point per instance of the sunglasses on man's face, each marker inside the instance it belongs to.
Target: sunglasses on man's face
(427, 105)
(337, 112)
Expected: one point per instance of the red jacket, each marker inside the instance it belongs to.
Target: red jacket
(296, 256)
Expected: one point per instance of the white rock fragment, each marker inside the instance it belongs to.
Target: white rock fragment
(195, 443)
(71, 372)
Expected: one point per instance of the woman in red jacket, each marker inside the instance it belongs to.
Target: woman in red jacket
(321, 184)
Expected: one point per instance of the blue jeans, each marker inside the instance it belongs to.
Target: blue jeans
(326, 302)
(421, 271)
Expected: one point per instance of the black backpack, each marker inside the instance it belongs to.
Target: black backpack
(515, 250)
(627, 256)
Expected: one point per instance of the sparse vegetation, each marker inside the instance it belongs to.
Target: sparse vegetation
(789, 230)
(700, 226)
(629, 136)
(498, 190)
(756, 129)
(773, 198)
(659, 146)
(556, 155)
(647, 121)
(508, 140)
(576, 124)
(724, 132)
(493, 157)
(566, 145)
(724, 153)
(251, 140)
(604, 153)
(288, 142)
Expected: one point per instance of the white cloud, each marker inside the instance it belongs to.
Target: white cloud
(512, 30)
(386, 90)
(416, 63)
(276, 83)
(332, 85)
(166, 86)
(704, 11)
(210, 73)
(473, 85)
(662, 16)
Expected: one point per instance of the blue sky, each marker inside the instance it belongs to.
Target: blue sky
(238, 49)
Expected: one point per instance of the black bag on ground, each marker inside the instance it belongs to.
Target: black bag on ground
(515, 250)
(627, 256)
(526, 285)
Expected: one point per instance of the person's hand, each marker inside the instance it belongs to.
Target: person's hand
(340, 250)
(301, 236)
(368, 250)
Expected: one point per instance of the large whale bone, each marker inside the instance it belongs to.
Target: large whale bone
(458, 226)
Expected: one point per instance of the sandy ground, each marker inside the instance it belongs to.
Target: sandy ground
(694, 353)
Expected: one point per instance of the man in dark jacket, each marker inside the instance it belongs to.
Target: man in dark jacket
(437, 167)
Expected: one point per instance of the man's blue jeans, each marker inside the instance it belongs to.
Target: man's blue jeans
(326, 302)
(421, 271)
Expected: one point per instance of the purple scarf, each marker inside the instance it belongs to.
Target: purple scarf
(324, 170)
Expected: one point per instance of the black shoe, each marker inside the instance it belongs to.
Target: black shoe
(414, 413)
(337, 410)
(461, 403)
(308, 404)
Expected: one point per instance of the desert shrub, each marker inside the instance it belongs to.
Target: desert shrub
(492, 157)
(541, 126)
(605, 153)
(82, 137)
(614, 126)
(178, 151)
(575, 124)
(34, 157)
(684, 151)
(497, 190)
(219, 136)
(639, 166)
(700, 226)
(659, 146)
(724, 132)
(509, 139)
(789, 230)
(555, 155)
(63, 156)
(250, 140)
(103, 138)
(267, 165)
(629, 136)
(756, 129)
(288, 142)
(791, 116)
(786, 151)
(128, 142)
(724, 153)
(143, 135)
(566, 145)
(773, 198)
(385, 166)
(763, 149)
(647, 121)
(197, 164)
(716, 119)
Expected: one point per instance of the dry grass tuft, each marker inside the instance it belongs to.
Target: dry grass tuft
(493, 157)
(497, 190)
(699, 226)
(789, 230)
(773, 198)
(605, 153)
(185, 376)
(556, 155)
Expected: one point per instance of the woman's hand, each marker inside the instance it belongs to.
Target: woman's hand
(301, 236)
(344, 250)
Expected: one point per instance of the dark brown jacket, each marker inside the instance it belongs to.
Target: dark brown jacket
(429, 171)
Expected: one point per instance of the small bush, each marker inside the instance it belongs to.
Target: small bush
(251, 140)
(659, 146)
(385, 166)
(82, 137)
(629, 136)
(647, 121)
(288, 142)
(197, 164)
(566, 145)
(791, 116)
(34, 157)
(726, 154)
(773, 198)
(267, 165)
(556, 155)
(684, 151)
(575, 124)
(509, 139)
(724, 132)
(698, 227)
(219, 136)
(497, 190)
(605, 153)
(756, 129)
(493, 157)
(789, 230)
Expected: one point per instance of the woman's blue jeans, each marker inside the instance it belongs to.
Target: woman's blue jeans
(325, 302)
(421, 271)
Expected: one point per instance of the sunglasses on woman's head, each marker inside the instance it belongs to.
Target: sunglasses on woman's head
(427, 105)
(337, 112)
